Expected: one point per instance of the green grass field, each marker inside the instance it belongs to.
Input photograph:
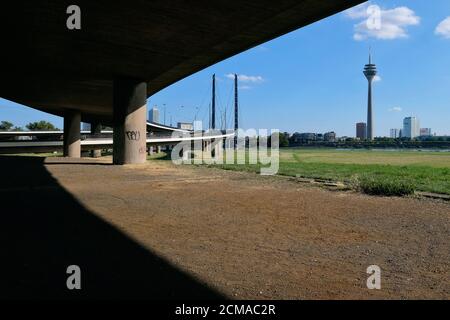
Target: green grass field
(371, 171)
(422, 170)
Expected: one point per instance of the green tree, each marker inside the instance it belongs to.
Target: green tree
(284, 142)
(41, 126)
(6, 125)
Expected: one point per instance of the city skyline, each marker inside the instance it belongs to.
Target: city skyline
(287, 83)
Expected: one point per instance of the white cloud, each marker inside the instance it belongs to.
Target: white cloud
(383, 24)
(377, 78)
(247, 79)
(395, 109)
(443, 29)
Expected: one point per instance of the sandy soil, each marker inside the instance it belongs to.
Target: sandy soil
(257, 237)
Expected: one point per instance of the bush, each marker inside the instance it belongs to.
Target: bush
(385, 187)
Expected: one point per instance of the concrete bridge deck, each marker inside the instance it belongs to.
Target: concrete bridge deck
(15, 147)
(121, 53)
(49, 67)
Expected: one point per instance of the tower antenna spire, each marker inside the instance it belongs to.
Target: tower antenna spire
(370, 54)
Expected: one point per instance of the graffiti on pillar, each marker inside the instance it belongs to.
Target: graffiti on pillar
(133, 135)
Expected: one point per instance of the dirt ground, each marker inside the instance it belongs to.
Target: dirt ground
(251, 237)
(257, 237)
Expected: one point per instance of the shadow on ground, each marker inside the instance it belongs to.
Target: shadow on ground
(44, 229)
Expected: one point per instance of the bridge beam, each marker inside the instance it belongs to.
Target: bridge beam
(72, 141)
(130, 121)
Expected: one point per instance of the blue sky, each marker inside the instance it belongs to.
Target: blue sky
(311, 80)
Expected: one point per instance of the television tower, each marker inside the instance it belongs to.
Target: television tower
(370, 71)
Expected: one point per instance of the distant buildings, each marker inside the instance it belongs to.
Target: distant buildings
(411, 127)
(85, 126)
(361, 130)
(330, 136)
(153, 115)
(425, 132)
(185, 125)
(395, 133)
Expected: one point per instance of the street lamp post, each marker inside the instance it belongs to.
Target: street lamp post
(164, 106)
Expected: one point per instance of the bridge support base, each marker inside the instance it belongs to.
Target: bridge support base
(130, 121)
(72, 144)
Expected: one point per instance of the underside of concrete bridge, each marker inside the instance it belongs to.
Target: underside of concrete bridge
(128, 50)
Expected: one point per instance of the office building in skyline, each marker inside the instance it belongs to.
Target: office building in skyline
(411, 127)
(361, 130)
(370, 71)
(425, 132)
(395, 133)
(185, 125)
(153, 115)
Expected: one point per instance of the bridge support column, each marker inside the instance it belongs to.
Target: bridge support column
(96, 129)
(72, 143)
(217, 149)
(130, 121)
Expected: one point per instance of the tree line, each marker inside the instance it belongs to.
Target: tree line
(32, 126)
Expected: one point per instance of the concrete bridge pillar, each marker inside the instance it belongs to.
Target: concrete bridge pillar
(96, 129)
(130, 121)
(218, 148)
(72, 139)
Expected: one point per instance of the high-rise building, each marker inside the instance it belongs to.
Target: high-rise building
(425, 132)
(411, 127)
(396, 133)
(153, 115)
(361, 130)
(370, 71)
